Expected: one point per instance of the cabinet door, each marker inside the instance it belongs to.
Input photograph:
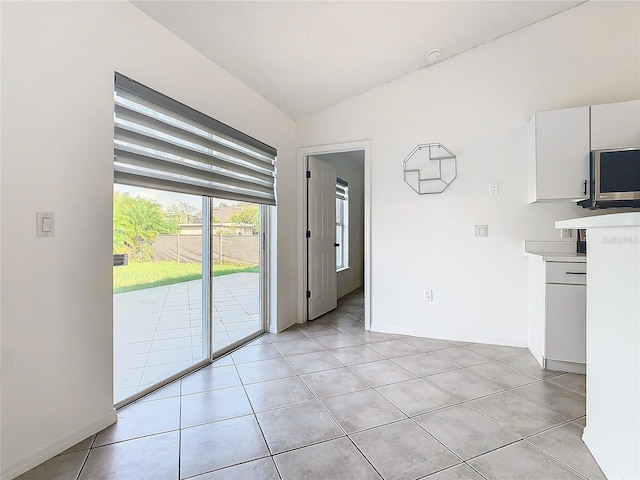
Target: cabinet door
(560, 154)
(566, 323)
(615, 125)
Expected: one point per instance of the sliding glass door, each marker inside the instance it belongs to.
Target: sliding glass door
(160, 314)
(188, 284)
(190, 290)
(237, 290)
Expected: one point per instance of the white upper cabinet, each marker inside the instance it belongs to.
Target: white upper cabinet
(559, 155)
(615, 125)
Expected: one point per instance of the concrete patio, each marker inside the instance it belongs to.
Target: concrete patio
(158, 331)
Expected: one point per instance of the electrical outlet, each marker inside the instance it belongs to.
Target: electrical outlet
(494, 188)
(566, 233)
(428, 295)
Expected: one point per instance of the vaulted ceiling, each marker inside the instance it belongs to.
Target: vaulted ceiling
(305, 56)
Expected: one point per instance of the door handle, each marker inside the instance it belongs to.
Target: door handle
(336, 244)
(575, 273)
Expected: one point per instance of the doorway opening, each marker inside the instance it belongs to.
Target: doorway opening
(321, 278)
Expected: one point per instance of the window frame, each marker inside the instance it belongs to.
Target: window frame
(342, 223)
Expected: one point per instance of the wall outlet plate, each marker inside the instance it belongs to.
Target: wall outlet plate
(428, 295)
(566, 233)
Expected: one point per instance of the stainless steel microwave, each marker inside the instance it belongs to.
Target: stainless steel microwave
(615, 175)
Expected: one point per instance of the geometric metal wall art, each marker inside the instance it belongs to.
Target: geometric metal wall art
(430, 168)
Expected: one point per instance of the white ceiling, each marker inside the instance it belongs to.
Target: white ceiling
(305, 56)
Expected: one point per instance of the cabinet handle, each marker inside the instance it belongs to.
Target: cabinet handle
(585, 188)
(575, 273)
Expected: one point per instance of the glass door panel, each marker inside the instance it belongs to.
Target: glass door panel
(237, 269)
(160, 314)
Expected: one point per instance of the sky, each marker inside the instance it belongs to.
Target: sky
(166, 198)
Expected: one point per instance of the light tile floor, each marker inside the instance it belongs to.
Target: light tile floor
(158, 331)
(329, 400)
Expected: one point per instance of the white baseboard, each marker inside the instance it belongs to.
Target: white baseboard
(349, 289)
(450, 336)
(12, 469)
(571, 367)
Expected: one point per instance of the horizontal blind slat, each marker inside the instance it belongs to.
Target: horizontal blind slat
(189, 172)
(158, 137)
(156, 114)
(154, 159)
(161, 143)
(150, 179)
(150, 147)
(126, 118)
(341, 188)
(125, 85)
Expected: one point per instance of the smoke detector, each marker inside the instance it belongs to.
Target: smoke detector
(433, 55)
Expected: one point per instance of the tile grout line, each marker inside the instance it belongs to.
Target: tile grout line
(385, 357)
(86, 457)
(554, 457)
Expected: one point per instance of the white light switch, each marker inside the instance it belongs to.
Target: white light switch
(45, 224)
(480, 230)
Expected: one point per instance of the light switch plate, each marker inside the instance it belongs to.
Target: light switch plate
(45, 224)
(480, 230)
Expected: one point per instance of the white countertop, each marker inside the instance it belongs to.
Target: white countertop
(630, 219)
(550, 251)
(558, 257)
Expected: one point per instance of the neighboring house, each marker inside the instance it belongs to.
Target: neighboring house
(58, 60)
(217, 229)
(223, 212)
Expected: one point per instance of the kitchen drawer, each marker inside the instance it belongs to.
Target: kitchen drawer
(567, 273)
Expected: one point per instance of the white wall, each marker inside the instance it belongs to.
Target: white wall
(58, 61)
(478, 105)
(350, 167)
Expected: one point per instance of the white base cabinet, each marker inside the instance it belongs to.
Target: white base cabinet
(557, 315)
(566, 339)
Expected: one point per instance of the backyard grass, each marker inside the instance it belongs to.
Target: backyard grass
(140, 275)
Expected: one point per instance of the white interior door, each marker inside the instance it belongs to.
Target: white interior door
(321, 233)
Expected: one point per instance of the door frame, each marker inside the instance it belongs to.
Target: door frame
(303, 153)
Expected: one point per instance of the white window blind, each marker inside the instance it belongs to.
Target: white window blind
(341, 188)
(164, 144)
